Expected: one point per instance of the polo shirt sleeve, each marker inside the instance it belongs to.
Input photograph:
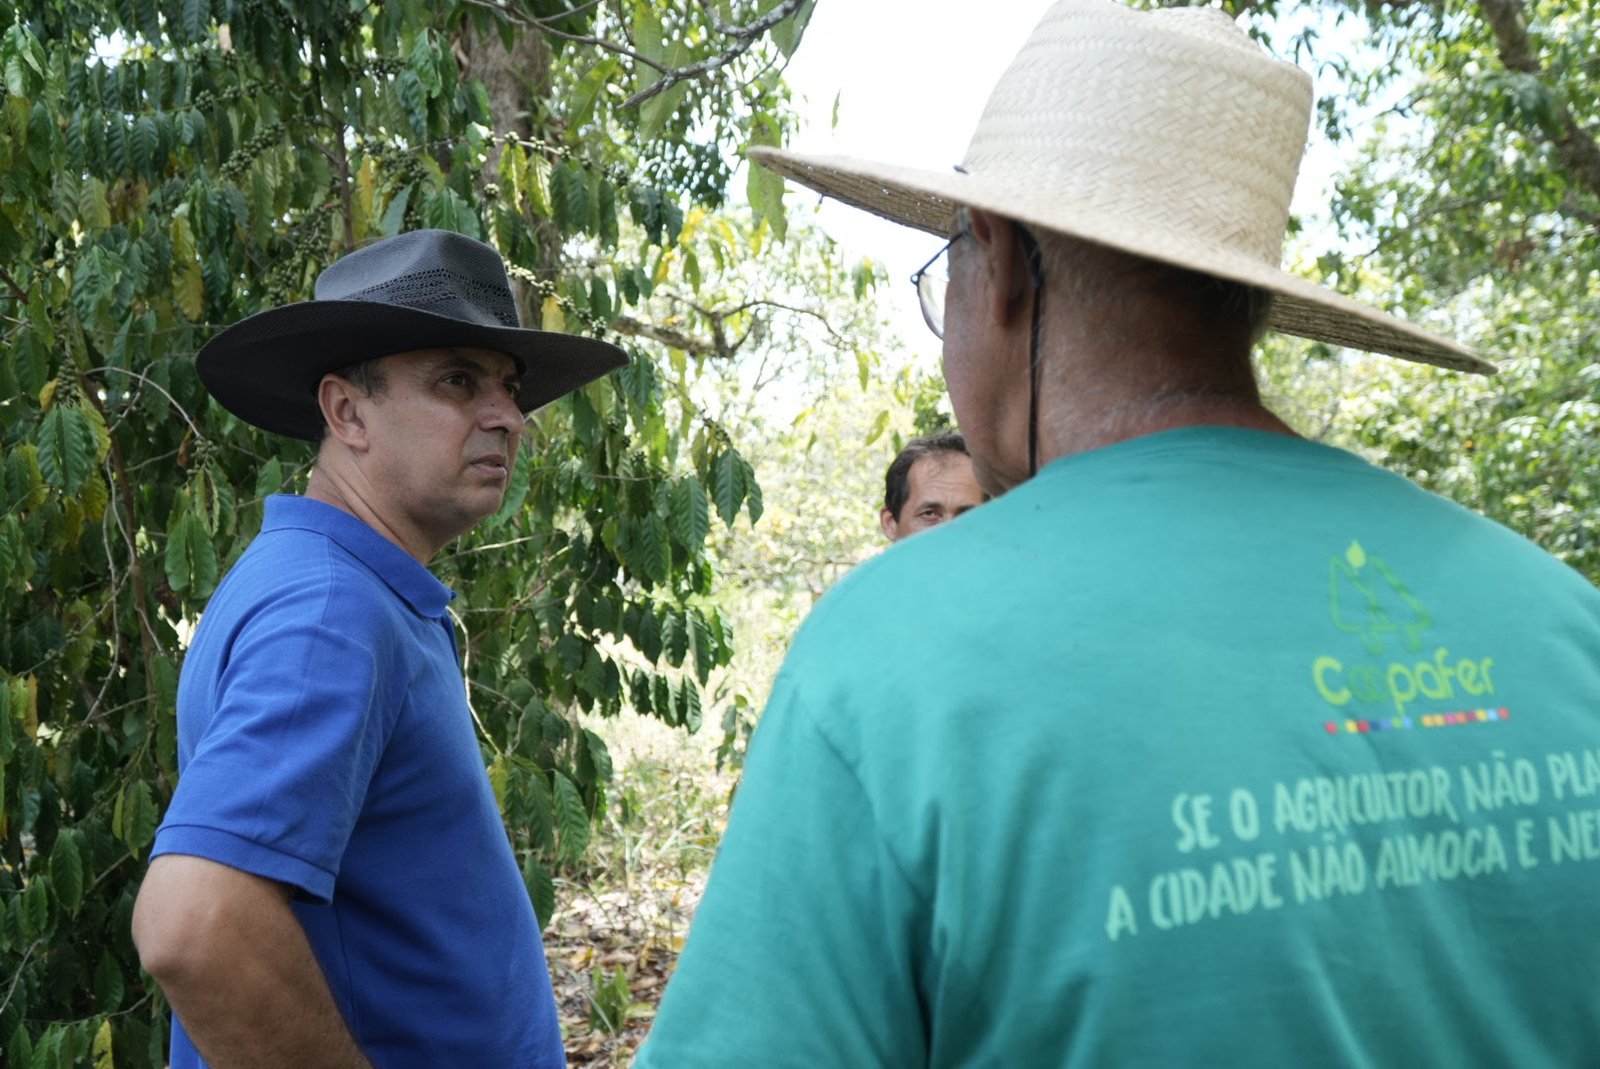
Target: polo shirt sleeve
(300, 718)
(801, 951)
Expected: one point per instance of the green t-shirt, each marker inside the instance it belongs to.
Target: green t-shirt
(1213, 747)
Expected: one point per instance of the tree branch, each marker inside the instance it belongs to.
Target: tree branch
(144, 380)
(1508, 20)
(546, 26)
(11, 988)
(1572, 210)
(11, 284)
(341, 164)
(122, 488)
(745, 36)
(748, 34)
(668, 336)
(818, 316)
(717, 345)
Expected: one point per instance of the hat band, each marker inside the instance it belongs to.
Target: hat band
(443, 292)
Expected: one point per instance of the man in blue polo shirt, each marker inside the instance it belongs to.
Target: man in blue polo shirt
(332, 884)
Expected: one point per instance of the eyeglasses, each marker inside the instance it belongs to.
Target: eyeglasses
(931, 287)
(931, 291)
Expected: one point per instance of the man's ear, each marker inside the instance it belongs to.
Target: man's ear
(886, 520)
(342, 402)
(1003, 261)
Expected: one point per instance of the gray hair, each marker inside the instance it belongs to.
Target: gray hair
(1086, 271)
(1090, 273)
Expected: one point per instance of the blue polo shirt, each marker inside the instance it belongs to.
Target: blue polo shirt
(324, 741)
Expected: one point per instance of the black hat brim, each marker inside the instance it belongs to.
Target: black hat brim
(265, 369)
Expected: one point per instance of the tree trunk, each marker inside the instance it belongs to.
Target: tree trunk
(518, 84)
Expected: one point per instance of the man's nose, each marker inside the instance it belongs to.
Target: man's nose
(502, 413)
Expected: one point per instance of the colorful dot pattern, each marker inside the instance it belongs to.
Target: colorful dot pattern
(1409, 723)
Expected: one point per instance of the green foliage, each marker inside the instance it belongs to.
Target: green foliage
(1470, 203)
(609, 999)
(823, 475)
(166, 170)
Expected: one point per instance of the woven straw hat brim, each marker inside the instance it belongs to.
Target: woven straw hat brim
(928, 201)
(265, 369)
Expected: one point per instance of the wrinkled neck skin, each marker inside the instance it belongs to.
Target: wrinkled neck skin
(1114, 371)
(1086, 422)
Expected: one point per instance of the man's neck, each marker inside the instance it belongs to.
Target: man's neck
(327, 487)
(1077, 430)
(1127, 368)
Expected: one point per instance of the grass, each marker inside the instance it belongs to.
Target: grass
(621, 916)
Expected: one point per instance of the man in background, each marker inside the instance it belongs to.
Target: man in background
(929, 482)
(1200, 744)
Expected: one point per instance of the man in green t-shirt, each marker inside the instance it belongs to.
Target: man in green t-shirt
(1200, 744)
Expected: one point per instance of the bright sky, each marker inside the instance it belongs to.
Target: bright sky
(912, 77)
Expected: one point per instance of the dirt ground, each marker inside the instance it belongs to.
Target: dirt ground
(621, 919)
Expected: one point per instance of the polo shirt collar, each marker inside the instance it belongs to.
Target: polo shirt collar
(400, 570)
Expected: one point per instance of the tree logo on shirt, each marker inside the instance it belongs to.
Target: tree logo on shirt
(1393, 667)
(1367, 599)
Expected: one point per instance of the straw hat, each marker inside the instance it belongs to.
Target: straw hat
(420, 290)
(1169, 134)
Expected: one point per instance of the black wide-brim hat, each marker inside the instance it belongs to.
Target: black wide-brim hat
(421, 290)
